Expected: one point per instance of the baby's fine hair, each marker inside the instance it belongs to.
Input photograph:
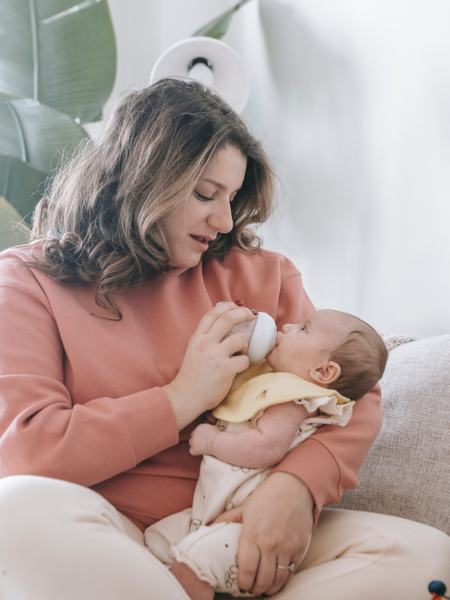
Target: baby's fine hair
(362, 358)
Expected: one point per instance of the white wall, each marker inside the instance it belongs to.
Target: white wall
(145, 28)
(352, 99)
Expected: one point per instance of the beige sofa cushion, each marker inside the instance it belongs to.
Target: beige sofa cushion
(407, 472)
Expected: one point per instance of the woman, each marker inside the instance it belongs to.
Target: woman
(107, 371)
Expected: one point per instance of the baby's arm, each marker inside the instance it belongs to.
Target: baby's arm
(259, 447)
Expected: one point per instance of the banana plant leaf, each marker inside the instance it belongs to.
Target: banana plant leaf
(21, 185)
(36, 134)
(218, 27)
(10, 233)
(60, 53)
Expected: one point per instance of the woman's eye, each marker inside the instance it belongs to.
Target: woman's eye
(203, 198)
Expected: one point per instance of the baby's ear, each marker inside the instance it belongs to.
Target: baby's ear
(326, 374)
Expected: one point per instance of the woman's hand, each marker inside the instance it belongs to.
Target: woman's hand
(277, 522)
(210, 363)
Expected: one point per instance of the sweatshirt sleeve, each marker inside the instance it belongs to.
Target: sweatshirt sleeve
(42, 432)
(328, 461)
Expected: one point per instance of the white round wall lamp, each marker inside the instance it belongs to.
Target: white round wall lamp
(211, 62)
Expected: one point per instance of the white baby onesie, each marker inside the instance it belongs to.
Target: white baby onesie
(210, 550)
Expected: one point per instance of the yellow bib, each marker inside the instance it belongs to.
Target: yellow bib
(259, 387)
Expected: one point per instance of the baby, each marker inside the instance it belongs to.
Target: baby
(312, 377)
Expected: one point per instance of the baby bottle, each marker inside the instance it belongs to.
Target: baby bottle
(262, 333)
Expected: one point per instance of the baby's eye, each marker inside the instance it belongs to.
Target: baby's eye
(302, 327)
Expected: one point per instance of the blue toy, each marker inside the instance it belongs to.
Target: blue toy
(437, 589)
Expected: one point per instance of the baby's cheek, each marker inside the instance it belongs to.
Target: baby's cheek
(272, 358)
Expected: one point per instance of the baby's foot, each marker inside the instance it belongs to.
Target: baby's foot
(195, 588)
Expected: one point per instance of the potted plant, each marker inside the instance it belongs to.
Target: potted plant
(57, 69)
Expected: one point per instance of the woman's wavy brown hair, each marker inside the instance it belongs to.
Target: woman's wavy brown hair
(101, 216)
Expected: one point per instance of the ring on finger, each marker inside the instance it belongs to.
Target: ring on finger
(290, 567)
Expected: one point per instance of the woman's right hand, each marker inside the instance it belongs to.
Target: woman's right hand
(210, 362)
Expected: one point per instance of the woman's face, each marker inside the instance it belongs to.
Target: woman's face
(207, 212)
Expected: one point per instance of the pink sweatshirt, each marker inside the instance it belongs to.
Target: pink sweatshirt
(80, 395)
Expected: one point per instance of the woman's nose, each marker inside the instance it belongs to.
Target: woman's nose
(221, 218)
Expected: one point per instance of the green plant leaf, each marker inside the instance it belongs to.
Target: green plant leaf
(218, 27)
(36, 134)
(10, 233)
(60, 53)
(21, 185)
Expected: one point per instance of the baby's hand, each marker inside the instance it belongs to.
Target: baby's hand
(201, 439)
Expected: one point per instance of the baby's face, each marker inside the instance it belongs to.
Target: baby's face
(302, 347)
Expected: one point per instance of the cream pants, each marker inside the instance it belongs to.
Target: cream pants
(61, 541)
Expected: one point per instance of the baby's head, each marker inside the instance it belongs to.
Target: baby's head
(332, 349)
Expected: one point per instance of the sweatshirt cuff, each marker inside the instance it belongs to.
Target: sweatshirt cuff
(150, 421)
(316, 467)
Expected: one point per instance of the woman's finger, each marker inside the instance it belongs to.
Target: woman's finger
(234, 515)
(248, 562)
(208, 320)
(236, 342)
(281, 575)
(266, 574)
(227, 320)
(239, 363)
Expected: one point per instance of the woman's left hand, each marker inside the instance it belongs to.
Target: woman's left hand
(277, 522)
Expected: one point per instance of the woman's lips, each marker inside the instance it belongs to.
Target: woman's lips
(201, 242)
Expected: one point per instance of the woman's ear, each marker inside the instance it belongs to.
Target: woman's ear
(326, 374)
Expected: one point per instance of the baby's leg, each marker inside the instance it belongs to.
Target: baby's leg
(161, 536)
(194, 587)
(210, 553)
